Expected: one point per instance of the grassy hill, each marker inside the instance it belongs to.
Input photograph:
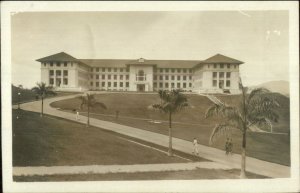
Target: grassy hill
(133, 111)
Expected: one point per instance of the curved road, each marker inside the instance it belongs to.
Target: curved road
(253, 165)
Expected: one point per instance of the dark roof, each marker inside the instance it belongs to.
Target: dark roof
(105, 62)
(218, 58)
(62, 56)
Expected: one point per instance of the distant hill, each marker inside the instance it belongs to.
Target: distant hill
(280, 86)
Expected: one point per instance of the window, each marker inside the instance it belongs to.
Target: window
(184, 85)
(155, 70)
(51, 64)
(51, 81)
(215, 74)
(65, 73)
(227, 74)
(167, 70)
(235, 66)
(71, 64)
(115, 77)
(154, 77)
(221, 65)
(178, 70)
(178, 85)
(58, 64)
(166, 85)
(109, 84)
(91, 83)
(214, 83)
(127, 84)
(51, 72)
(228, 83)
(173, 70)
(97, 69)
(103, 84)
(115, 69)
(108, 77)
(208, 66)
(161, 70)
(103, 69)
(173, 77)
(58, 73)
(91, 76)
(166, 77)
(215, 65)
(115, 84)
(160, 77)
(109, 69)
(160, 85)
(121, 77)
(121, 84)
(44, 64)
(221, 74)
(184, 70)
(190, 77)
(184, 77)
(190, 84)
(178, 77)
(103, 77)
(228, 65)
(190, 70)
(172, 85)
(65, 64)
(154, 84)
(127, 77)
(97, 84)
(97, 77)
(121, 69)
(127, 69)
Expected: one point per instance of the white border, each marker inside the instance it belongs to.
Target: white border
(266, 185)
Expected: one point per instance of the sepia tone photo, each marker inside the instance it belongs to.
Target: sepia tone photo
(137, 96)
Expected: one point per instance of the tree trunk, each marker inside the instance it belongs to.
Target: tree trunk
(88, 116)
(170, 152)
(243, 155)
(42, 113)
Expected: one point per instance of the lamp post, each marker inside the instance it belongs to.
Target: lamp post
(19, 95)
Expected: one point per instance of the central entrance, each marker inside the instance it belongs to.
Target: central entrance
(140, 87)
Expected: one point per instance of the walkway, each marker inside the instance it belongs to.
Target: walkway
(104, 169)
(253, 165)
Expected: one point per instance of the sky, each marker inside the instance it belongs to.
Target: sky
(258, 38)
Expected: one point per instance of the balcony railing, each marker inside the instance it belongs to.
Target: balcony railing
(140, 78)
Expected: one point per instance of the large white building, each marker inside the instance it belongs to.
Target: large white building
(216, 74)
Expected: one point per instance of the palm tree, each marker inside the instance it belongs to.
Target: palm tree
(256, 109)
(171, 102)
(90, 101)
(43, 91)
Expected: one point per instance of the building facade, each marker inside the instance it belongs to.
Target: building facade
(217, 74)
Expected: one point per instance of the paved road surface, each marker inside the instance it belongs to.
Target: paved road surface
(253, 165)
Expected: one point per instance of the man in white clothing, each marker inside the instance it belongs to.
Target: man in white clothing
(195, 144)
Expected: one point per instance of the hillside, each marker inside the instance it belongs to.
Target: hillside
(280, 86)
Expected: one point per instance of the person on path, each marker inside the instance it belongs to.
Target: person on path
(77, 115)
(230, 146)
(227, 146)
(195, 145)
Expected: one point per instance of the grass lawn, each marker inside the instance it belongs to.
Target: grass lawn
(133, 111)
(171, 175)
(51, 141)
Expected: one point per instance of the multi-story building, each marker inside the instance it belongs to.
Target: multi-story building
(216, 74)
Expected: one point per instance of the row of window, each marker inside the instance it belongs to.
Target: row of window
(173, 70)
(58, 81)
(58, 64)
(221, 83)
(58, 72)
(110, 69)
(221, 74)
(109, 77)
(109, 84)
(221, 65)
(184, 85)
(171, 77)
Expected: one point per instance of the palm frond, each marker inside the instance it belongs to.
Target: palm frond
(257, 92)
(218, 131)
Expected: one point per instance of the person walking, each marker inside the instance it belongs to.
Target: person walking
(77, 115)
(227, 146)
(230, 146)
(195, 145)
